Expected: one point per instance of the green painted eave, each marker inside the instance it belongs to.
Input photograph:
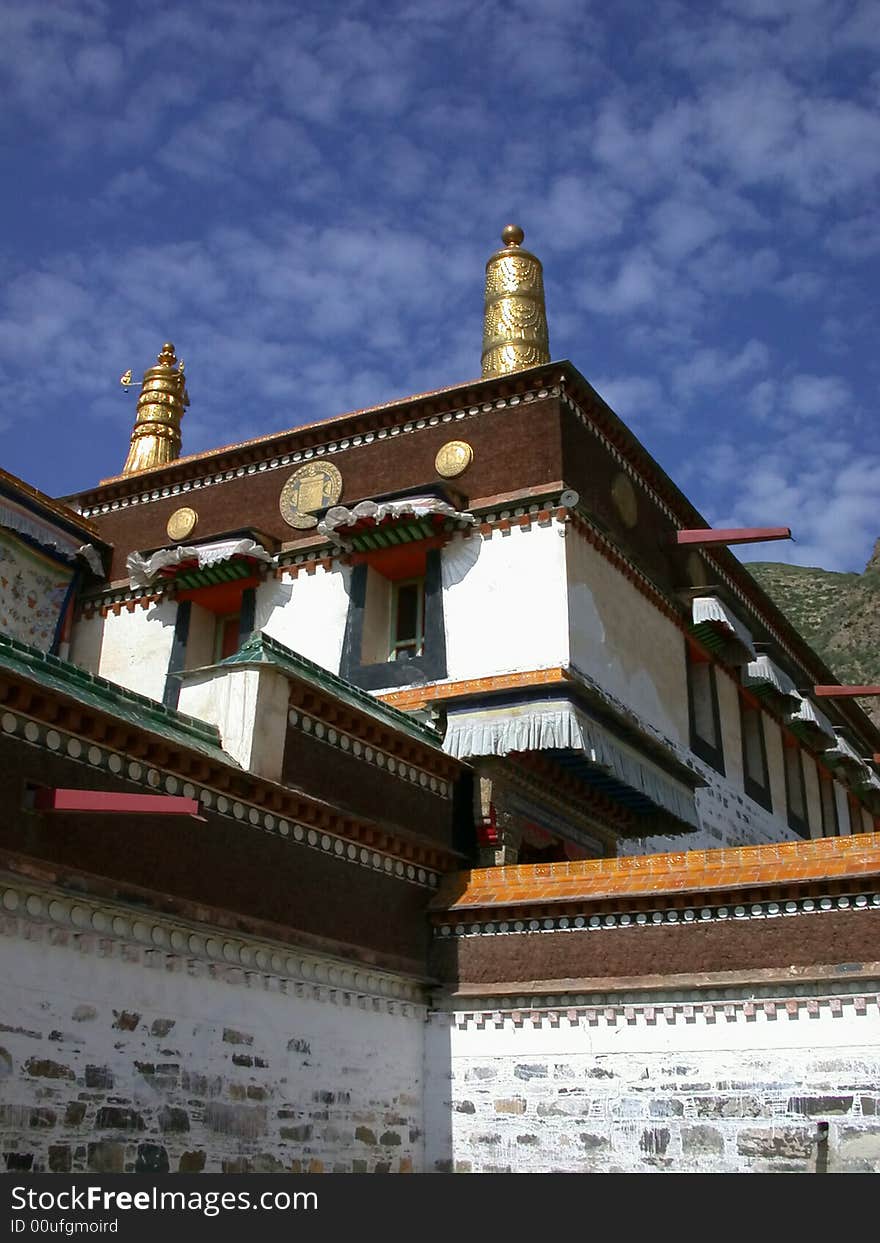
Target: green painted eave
(55, 674)
(260, 649)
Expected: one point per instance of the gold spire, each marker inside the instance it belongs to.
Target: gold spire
(155, 439)
(515, 323)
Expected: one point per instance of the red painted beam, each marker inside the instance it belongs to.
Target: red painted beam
(732, 535)
(841, 692)
(109, 801)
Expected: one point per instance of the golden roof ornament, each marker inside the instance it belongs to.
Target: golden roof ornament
(155, 439)
(515, 324)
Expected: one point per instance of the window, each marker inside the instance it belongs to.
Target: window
(828, 803)
(756, 774)
(795, 788)
(394, 633)
(407, 620)
(705, 718)
(227, 633)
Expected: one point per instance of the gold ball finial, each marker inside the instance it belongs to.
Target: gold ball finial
(512, 235)
(167, 356)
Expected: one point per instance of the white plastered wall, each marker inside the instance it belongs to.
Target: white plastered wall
(249, 707)
(86, 642)
(624, 642)
(135, 648)
(504, 602)
(307, 613)
(194, 1058)
(641, 1090)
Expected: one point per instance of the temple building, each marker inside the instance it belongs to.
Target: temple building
(390, 792)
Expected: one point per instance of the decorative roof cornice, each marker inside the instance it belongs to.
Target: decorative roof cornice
(56, 510)
(90, 691)
(679, 880)
(261, 650)
(69, 713)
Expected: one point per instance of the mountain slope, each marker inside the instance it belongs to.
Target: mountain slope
(838, 615)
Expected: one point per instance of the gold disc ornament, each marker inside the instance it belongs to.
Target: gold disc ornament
(623, 494)
(182, 523)
(312, 487)
(453, 459)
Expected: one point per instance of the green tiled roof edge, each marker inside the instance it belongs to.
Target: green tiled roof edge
(98, 692)
(261, 649)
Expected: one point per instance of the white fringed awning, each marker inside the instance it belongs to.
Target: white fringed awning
(762, 674)
(557, 725)
(843, 755)
(809, 716)
(143, 570)
(721, 630)
(375, 512)
(49, 536)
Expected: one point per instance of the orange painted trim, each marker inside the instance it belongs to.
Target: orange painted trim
(833, 858)
(419, 696)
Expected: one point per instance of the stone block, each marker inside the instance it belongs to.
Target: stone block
(42, 1118)
(246, 1121)
(161, 1027)
(45, 1068)
(664, 1108)
(74, 1113)
(18, 1161)
(654, 1141)
(465, 1107)
(114, 1118)
(746, 1106)
(172, 1119)
(593, 1142)
(191, 1163)
(231, 1036)
(701, 1140)
(125, 1020)
(365, 1135)
(530, 1071)
(857, 1144)
(822, 1105)
(511, 1105)
(99, 1077)
(151, 1159)
(106, 1157)
(782, 1142)
(299, 1134)
(59, 1159)
(84, 1014)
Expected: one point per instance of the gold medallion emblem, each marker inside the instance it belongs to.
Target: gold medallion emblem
(182, 523)
(453, 459)
(312, 487)
(623, 494)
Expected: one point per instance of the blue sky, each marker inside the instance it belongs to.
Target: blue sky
(302, 197)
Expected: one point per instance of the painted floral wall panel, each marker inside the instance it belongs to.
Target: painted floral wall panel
(33, 590)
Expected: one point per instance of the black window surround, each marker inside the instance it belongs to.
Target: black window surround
(795, 788)
(828, 804)
(177, 659)
(756, 771)
(703, 704)
(429, 667)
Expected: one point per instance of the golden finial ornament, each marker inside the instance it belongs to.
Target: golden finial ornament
(515, 323)
(155, 439)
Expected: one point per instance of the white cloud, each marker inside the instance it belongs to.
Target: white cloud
(631, 396)
(812, 396)
(713, 369)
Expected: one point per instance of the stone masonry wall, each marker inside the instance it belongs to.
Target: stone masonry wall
(129, 1045)
(685, 1085)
